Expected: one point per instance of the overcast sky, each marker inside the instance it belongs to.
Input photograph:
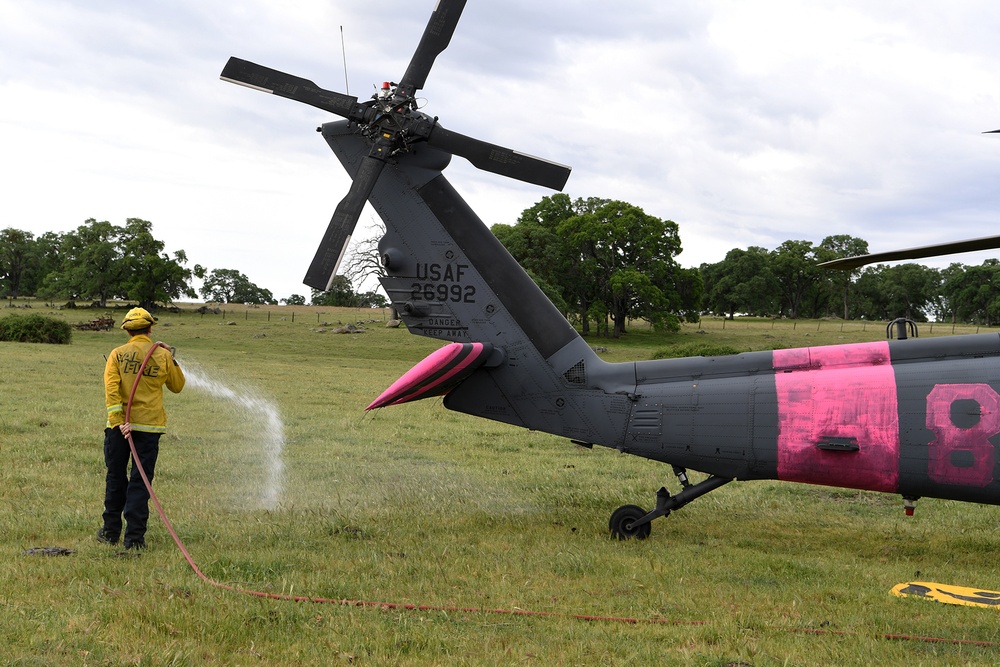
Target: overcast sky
(747, 123)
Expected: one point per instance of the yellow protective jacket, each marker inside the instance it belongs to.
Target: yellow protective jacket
(120, 375)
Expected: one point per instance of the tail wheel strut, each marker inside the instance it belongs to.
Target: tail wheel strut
(631, 521)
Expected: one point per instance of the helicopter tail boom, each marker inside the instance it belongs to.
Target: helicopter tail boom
(451, 279)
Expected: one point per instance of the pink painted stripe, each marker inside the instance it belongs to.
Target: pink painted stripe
(845, 393)
(447, 364)
(448, 374)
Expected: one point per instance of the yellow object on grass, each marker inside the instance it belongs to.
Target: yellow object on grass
(948, 594)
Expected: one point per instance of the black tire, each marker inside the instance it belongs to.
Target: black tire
(621, 520)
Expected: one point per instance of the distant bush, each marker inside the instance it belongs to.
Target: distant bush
(695, 350)
(34, 329)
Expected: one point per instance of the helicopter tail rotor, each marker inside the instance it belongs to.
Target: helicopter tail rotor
(394, 126)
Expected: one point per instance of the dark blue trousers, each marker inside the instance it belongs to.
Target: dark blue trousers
(124, 494)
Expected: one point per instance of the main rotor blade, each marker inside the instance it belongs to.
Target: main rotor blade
(971, 245)
(500, 160)
(258, 77)
(331, 249)
(435, 39)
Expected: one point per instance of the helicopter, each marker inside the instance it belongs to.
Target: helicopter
(913, 417)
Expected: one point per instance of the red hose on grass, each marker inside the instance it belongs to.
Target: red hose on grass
(424, 607)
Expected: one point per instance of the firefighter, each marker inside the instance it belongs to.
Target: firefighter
(125, 495)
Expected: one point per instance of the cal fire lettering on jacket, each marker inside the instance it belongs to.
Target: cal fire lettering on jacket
(962, 455)
(130, 364)
(442, 282)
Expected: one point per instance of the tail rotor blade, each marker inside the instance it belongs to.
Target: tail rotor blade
(499, 160)
(435, 39)
(331, 249)
(265, 79)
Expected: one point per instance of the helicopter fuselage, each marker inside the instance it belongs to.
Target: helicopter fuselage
(913, 417)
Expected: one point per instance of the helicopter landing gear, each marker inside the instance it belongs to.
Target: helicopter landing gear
(625, 524)
(630, 521)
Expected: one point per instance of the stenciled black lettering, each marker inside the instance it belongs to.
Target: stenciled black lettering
(442, 292)
(449, 273)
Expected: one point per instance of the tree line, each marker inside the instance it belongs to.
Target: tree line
(98, 262)
(601, 262)
(607, 261)
(787, 282)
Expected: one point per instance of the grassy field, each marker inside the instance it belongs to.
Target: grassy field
(420, 506)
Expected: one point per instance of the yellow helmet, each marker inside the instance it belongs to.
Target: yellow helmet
(137, 318)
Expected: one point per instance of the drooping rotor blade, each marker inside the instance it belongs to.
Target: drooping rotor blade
(499, 160)
(971, 245)
(265, 79)
(435, 39)
(991, 132)
(338, 233)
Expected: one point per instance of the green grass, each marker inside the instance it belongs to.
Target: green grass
(417, 505)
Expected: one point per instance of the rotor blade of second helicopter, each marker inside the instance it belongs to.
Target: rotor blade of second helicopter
(330, 253)
(265, 79)
(500, 160)
(951, 248)
(437, 35)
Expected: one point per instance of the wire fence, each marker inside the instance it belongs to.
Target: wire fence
(309, 314)
(843, 326)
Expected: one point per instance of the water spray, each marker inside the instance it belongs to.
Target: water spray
(265, 431)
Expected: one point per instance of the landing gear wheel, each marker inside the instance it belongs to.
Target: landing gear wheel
(622, 520)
